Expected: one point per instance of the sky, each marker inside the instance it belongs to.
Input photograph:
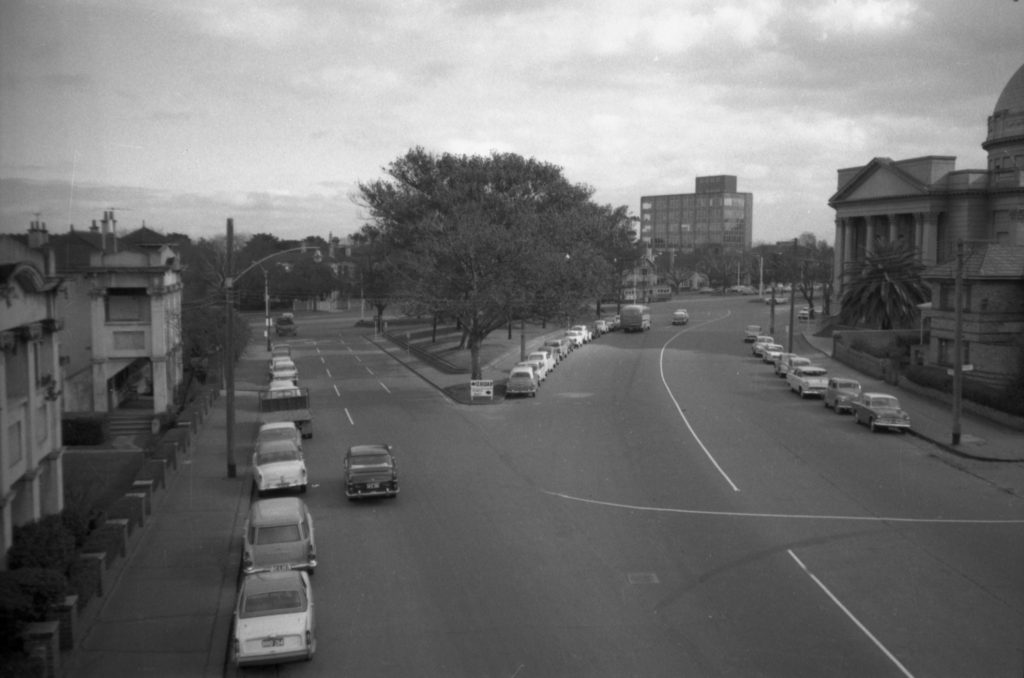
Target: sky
(180, 115)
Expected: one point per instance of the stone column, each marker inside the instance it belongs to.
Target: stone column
(930, 238)
(894, 233)
(869, 234)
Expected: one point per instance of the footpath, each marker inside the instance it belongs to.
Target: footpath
(167, 607)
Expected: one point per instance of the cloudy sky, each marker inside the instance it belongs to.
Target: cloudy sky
(182, 114)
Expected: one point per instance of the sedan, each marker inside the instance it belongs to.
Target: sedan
(680, 316)
(771, 352)
(370, 471)
(274, 619)
(839, 392)
(880, 410)
(577, 337)
(759, 344)
(279, 430)
(278, 535)
(278, 465)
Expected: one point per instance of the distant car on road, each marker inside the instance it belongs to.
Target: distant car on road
(808, 380)
(760, 342)
(285, 326)
(680, 316)
(278, 535)
(880, 410)
(771, 352)
(840, 392)
(751, 333)
(370, 471)
(273, 619)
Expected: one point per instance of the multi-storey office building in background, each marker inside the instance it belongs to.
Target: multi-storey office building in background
(716, 214)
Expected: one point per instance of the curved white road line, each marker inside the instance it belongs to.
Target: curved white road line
(787, 516)
(679, 409)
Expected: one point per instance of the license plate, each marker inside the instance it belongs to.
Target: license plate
(273, 642)
(372, 486)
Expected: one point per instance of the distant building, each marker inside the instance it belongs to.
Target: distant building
(929, 204)
(716, 214)
(31, 448)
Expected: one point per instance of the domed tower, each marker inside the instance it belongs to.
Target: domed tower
(1005, 146)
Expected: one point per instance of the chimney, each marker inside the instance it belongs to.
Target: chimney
(38, 237)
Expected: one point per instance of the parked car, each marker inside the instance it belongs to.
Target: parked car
(808, 380)
(561, 346)
(760, 342)
(880, 410)
(285, 326)
(616, 322)
(285, 371)
(280, 363)
(278, 465)
(804, 314)
(751, 333)
(274, 620)
(278, 534)
(370, 471)
(680, 316)
(777, 359)
(577, 337)
(545, 358)
(553, 355)
(279, 430)
(602, 326)
(282, 385)
(840, 392)
(539, 366)
(281, 351)
(588, 334)
(521, 381)
(783, 367)
(772, 351)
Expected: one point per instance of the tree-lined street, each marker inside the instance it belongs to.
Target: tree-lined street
(664, 507)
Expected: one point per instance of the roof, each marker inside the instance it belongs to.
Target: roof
(1012, 97)
(984, 260)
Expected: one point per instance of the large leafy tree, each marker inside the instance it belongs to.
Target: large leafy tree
(485, 239)
(884, 290)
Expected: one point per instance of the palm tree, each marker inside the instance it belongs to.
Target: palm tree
(884, 290)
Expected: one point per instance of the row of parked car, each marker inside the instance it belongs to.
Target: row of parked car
(274, 618)
(526, 376)
(840, 394)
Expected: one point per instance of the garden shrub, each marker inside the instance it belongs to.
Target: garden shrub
(84, 581)
(46, 543)
(44, 588)
(15, 608)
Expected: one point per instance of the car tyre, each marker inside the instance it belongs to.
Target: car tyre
(801, 392)
(871, 425)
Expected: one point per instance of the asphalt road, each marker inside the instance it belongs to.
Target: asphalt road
(664, 507)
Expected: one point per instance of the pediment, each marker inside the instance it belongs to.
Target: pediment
(879, 181)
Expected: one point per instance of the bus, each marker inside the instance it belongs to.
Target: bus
(635, 318)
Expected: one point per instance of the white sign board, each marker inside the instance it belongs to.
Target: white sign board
(481, 388)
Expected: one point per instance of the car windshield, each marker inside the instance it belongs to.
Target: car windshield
(370, 461)
(886, 402)
(272, 602)
(276, 456)
(813, 371)
(277, 534)
(847, 385)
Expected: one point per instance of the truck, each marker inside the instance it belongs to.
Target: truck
(287, 405)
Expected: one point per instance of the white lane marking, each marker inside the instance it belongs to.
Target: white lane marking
(679, 409)
(336, 391)
(789, 516)
(349, 415)
(328, 371)
(839, 604)
(323, 360)
(384, 387)
(369, 370)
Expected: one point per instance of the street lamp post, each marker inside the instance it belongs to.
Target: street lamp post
(266, 305)
(229, 332)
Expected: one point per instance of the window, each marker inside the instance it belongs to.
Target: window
(127, 305)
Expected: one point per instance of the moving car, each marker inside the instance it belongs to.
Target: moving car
(680, 316)
(880, 410)
(808, 380)
(278, 465)
(839, 392)
(279, 430)
(521, 381)
(274, 620)
(370, 471)
(285, 326)
(278, 535)
(751, 333)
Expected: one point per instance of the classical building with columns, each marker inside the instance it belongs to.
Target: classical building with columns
(932, 206)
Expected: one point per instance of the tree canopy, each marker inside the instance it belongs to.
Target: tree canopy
(884, 290)
(487, 239)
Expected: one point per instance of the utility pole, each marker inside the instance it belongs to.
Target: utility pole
(958, 371)
(229, 347)
(792, 302)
